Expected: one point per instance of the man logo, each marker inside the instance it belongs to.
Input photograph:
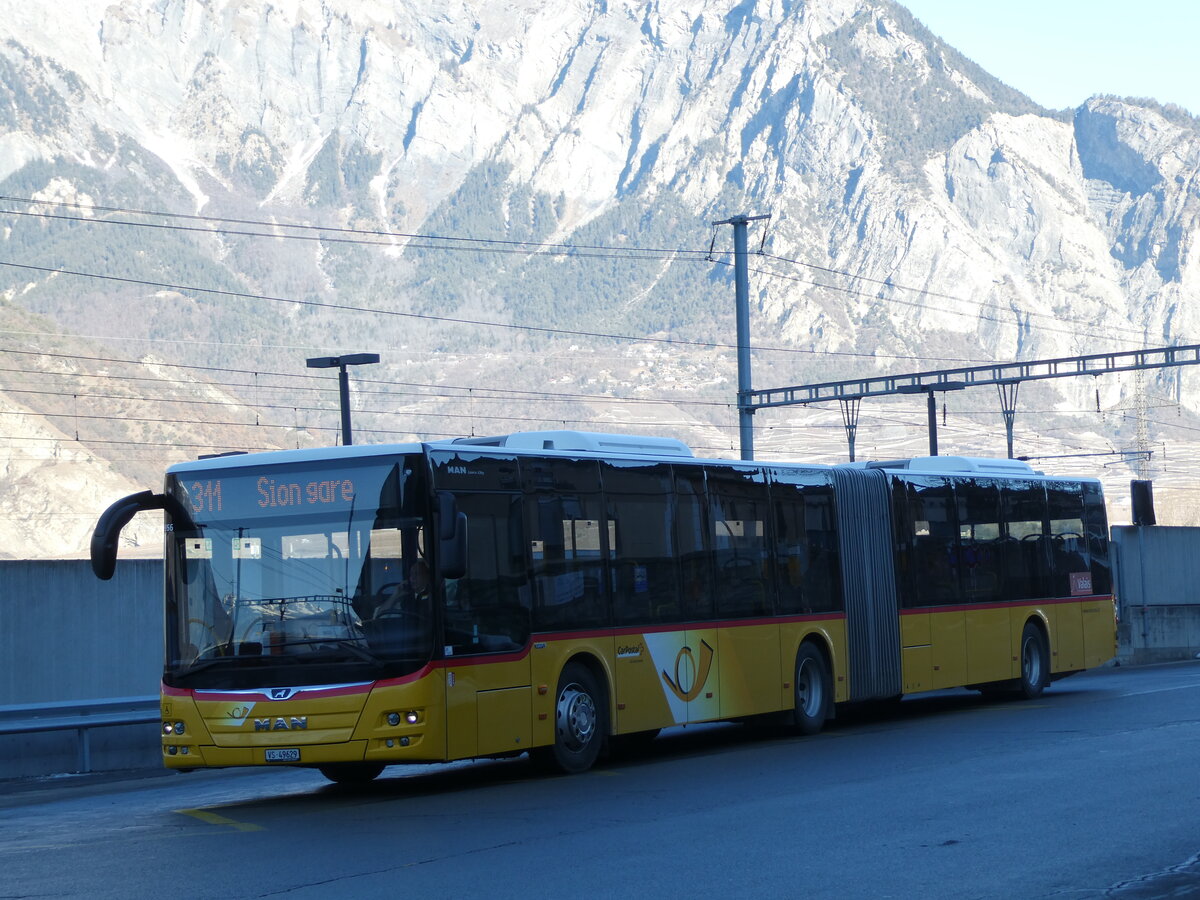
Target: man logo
(296, 723)
(282, 693)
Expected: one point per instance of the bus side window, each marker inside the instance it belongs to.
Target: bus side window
(568, 543)
(806, 547)
(1096, 525)
(1070, 568)
(934, 536)
(979, 539)
(488, 609)
(904, 541)
(823, 580)
(791, 549)
(640, 509)
(692, 545)
(738, 503)
(1023, 511)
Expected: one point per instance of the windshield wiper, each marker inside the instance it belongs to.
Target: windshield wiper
(252, 659)
(350, 644)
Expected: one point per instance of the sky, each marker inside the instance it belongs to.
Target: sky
(1060, 52)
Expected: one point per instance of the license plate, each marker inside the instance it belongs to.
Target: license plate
(283, 756)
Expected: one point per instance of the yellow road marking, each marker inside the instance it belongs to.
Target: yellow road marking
(213, 819)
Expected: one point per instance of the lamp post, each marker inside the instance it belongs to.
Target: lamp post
(931, 403)
(340, 363)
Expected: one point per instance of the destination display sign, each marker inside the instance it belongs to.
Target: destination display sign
(225, 494)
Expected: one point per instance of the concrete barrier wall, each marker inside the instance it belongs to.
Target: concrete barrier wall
(66, 635)
(1157, 579)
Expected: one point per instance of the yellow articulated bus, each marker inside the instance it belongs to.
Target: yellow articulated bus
(556, 592)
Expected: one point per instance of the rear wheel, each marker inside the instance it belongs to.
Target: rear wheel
(352, 773)
(813, 693)
(579, 723)
(1035, 662)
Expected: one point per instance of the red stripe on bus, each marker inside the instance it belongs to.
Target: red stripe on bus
(482, 658)
(408, 679)
(309, 693)
(686, 626)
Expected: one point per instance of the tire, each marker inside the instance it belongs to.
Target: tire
(814, 694)
(352, 773)
(1035, 662)
(580, 723)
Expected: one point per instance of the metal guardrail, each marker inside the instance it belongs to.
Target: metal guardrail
(80, 716)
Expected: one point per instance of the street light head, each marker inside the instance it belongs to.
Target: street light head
(359, 359)
(350, 359)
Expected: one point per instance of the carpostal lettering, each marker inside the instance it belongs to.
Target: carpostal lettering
(629, 650)
(296, 723)
(273, 493)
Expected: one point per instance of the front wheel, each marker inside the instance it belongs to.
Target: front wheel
(1035, 662)
(579, 723)
(813, 692)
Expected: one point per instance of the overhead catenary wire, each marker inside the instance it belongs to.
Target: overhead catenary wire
(971, 314)
(507, 396)
(538, 329)
(564, 247)
(323, 386)
(926, 292)
(466, 242)
(414, 413)
(599, 249)
(440, 390)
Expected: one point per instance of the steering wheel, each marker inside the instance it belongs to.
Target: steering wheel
(406, 616)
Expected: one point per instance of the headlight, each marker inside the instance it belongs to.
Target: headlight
(393, 718)
(179, 728)
(168, 728)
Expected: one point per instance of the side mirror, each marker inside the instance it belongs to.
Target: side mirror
(108, 529)
(447, 514)
(452, 537)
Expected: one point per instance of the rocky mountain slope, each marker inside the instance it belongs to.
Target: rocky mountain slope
(554, 172)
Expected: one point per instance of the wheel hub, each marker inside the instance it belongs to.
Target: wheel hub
(576, 716)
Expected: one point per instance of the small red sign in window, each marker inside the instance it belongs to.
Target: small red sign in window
(1081, 583)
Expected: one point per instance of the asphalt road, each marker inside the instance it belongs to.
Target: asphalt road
(1092, 790)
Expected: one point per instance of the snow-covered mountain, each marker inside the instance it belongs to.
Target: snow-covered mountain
(923, 215)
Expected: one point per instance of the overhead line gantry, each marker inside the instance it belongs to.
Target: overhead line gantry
(1006, 376)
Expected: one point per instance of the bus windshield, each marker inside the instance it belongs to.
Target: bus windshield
(288, 575)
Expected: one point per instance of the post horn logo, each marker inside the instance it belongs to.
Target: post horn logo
(689, 677)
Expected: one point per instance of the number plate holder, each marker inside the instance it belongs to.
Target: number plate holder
(288, 755)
